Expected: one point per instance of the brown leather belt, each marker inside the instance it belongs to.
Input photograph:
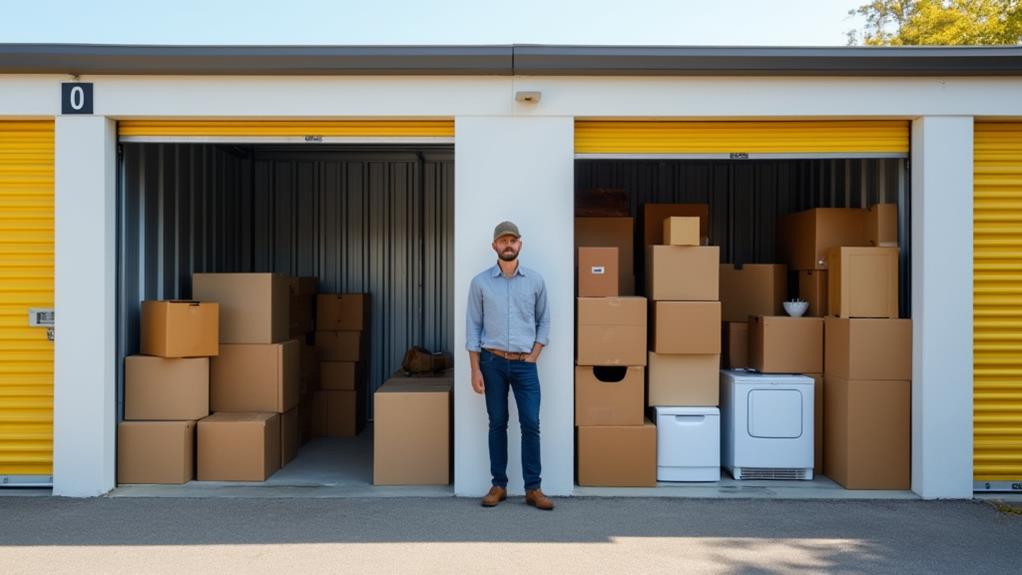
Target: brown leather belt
(509, 356)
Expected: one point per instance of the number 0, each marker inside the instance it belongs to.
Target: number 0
(77, 98)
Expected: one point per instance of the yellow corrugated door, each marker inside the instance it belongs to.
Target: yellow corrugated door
(997, 307)
(286, 130)
(26, 282)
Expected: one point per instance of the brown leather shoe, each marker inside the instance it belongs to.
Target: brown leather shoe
(536, 499)
(495, 496)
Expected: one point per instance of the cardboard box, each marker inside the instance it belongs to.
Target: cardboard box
(683, 273)
(817, 422)
(253, 307)
(868, 348)
(289, 436)
(306, 285)
(157, 388)
(412, 431)
(736, 345)
(805, 238)
(882, 225)
(753, 289)
(180, 329)
(262, 378)
(611, 331)
(812, 287)
(617, 456)
(155, 451)
(684, 380)
(654, 215)
(342, 311)
(609, 395)
(598, 272)
(681, 231)
(340, 375)
(863, 282)
(611, 232)
(686, 327)
(340, 345)
(602, 202)
(238, 446)
(866, 433)
(301, 314)
(338, 413)
(781, 344)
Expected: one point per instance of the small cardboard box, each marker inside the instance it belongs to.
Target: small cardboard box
(817, 422)
(686, 327)
(681, 231)
(598, 272)
(683, 273)
(735, 345)
(812, 287)
(340, 375)
(412, 431)
(157, 388)
(253, 307)
(611, 331)
(863, 282)
(753, 289)
(609, 395)
(780, 344)
(866, 433)
(338, 413)
(289, 436)
(611, 232)
(868, 348)
(340, 345)
(882, 225)
(260, 378)
(155, 451)
(180, 329)
(684, 380)
(239, 446)
(805, 238)
(654, 215)
(617, 455)
(342, 311)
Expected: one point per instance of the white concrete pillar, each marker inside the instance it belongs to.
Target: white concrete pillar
(84, 417)
(519, 169)
(942, 307)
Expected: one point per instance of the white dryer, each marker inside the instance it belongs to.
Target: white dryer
(766, 423)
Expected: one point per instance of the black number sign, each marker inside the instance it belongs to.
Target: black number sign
(76, 98)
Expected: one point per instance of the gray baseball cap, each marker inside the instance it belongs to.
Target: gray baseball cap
(505, 229)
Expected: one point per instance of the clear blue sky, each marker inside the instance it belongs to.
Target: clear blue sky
(641, 22)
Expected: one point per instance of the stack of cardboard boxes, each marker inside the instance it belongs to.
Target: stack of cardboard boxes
(339, 405)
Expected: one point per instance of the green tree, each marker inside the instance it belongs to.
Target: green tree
(939, 23)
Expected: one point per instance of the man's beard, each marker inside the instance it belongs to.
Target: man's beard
(509, 255)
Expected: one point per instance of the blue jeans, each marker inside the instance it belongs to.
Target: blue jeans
(521, 376)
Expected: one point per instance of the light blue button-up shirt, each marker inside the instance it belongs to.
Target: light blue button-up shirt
(509, 314)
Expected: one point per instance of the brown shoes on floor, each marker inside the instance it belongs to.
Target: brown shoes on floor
(495, 496)
(536, 499)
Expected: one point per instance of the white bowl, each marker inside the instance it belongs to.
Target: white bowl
(796, 308)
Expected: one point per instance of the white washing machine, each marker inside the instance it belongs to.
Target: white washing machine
(766, 424)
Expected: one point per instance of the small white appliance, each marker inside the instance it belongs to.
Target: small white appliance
(688, 443)
(766, 425)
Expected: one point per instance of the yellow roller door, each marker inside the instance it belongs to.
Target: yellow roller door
(997, 307)
(291, 130)
(26, 282)
(765, 138)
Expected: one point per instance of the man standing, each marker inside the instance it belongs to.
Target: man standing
(507, 327)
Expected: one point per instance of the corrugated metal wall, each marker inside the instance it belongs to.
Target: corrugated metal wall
(359, 220)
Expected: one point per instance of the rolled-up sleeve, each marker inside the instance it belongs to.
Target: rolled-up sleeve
(474, 318)
(542, 317)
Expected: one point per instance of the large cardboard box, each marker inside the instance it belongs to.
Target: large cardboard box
(342, 311)
(681, 231)
(155, 451)
(255, 377)
(609, 395)
(611, 331)
(817, 422)
(253, 307)
(597, 272)
(157, 388)
(866, 433)
(238, 446)
(805, 238)
(683, 273)
(868, 348)
(735, 345)
(180, 328)
(338, 413)
(412, 431)
(753, 289)
(686, 327)
(863, 282)
(654, 215)
(340, 345)
(684, 380)
(617, 455)
(812, 287)
(340, 375)
(882, 225)
(781, 344)
(289, 436)
(611, 232)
